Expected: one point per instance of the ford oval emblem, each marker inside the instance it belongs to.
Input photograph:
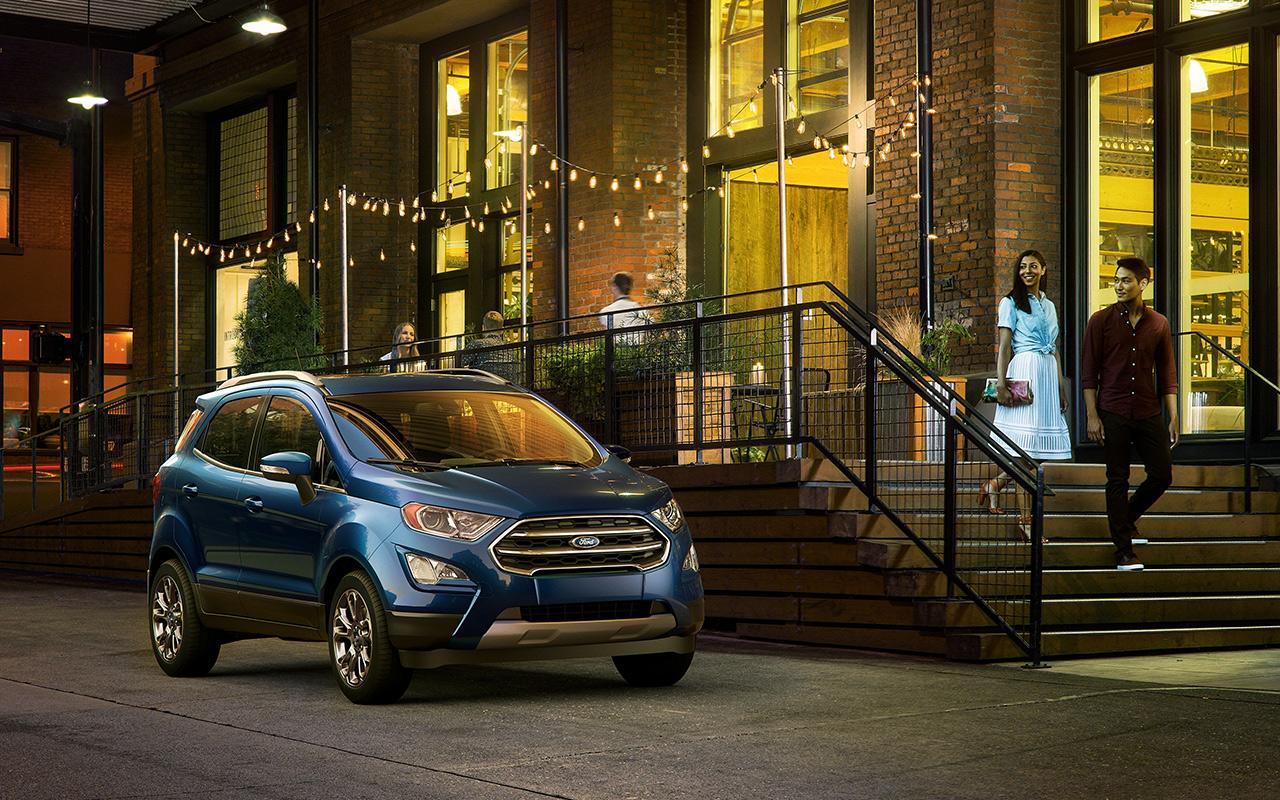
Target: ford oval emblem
(585, 542)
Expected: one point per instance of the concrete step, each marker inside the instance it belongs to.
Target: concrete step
(898, 554)
(1013, 582)
(1059, 644)
(1116, 611)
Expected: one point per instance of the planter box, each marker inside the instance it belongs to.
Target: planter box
(908, 428)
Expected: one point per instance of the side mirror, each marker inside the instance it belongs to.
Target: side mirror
(621, 452)
(290, 467)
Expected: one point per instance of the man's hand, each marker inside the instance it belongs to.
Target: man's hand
(1173, 431)
(1096, 432)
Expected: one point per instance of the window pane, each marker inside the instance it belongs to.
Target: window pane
(453, 126)
(737, 62)
(1215, 237)
(817, 233)
(242, 164)
(6, 164)
(511, 277)
(452, 250)
(117, 347)
(230, 433)
(291, 160)
(17, 406)
(289, 427)
(1198, 9)
(1121, 188)
(508, 106)
(4, 214)
(1108, 19)
(819, 49)
(17, 344)
(230, 294)
(55, 393)
(451, 317)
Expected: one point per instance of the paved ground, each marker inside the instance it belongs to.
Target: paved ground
(85, 712)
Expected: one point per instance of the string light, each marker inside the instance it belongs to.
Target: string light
(684, 204)
(555, 165)
(592, 181)
(617, 221)
(800, 127)
(728, 131)
(582, 224)
(817, 143)
(657, 178)
(401, 208)
(684, 166)
(546, 227)
(312, 217)
(573, 174)
(480, 225)
(382, 254)
(636, 184)
(413, 246)
(533, 149)
(613, 184)
(706, 151)
(651, 213)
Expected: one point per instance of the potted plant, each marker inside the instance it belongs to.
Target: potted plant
(278, 328)
(924, 427)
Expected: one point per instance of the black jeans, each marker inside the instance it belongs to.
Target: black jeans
(1151, 438)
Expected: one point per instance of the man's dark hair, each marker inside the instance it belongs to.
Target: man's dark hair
(623, 281)
(1135, 265)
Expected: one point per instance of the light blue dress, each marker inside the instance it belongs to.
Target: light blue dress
(1039, 428)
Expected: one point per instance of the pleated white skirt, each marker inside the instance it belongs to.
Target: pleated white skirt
(1038, 427)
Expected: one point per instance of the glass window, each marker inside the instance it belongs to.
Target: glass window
(737, 62)
(453, 125)
(818, 48)
(452, 249)
(290, 427)
(817, 234)
(117, 347)
(17, 344)
(230, 432)
(510, 287)
(1199, 9)
(451, 318)
(1121, 186)
(508, 107)
(8, 175)
(1215, 236)
(231, 292)
(468, 428)
(17, 405)
(1109, 19)
(242, 174)
(291, 160)
(54, 395)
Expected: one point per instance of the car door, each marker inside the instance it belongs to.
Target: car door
(210, 497)
(281, 542)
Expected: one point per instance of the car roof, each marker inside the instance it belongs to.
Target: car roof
(463, 380)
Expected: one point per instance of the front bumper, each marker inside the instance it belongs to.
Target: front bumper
(429, 659)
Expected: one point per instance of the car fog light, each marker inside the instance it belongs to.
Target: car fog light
(691, 560)
(429, 571)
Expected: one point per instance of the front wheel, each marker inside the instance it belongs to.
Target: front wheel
(182, 645)
(367, 667)
(653, 669)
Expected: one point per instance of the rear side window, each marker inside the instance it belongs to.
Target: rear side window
(230, 433)
(289, 426)
(188, 429)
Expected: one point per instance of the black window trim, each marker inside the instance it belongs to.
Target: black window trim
(253, 441)
(9, 245)
(305, 402)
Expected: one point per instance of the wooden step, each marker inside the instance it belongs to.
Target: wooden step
(900, 554)
(1184, 475)
(819, 554)
(1060, 644)
(971, 524)
(931, 497)
(903, 640)
(1094, 582)
(762, 473)
(765, 525)
(1113, 611)
(807, 497)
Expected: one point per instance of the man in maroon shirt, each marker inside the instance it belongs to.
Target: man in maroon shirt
(1123, 345)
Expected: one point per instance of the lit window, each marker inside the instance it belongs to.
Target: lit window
(453, 123)
(819, 55)
(242, 174)
(508, 107)
(737, 62)
(8, 191)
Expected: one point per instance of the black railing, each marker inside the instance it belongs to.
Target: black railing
(712, 380)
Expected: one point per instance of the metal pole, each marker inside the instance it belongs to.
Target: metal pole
(924, 146)
(313, 138)
(562, 145)
(176, 410)
(780, 119)
(524, 232)
(342, 253)
(949, 490)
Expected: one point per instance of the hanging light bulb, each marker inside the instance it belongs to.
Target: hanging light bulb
(185, 240)
(613, 184)
(435, 196)
(366, 205)
(573, 174)
(706, 151)
(636, 183)
(720, 190)
(582, 224)
(416, 201)
(401, 208)
(488, 163)
(831, 153)
(480, 225)
(193, 250)
(546, 184)
(866, 159)
(617, 221)
(684, 166)
(555, 165)
(286, 234)
(502, 147)
(386, 208)
(817, 143)
(88, 97)
(801, 126)
(845, 160)
(444, 214)
(486, 208)
(466, 210)
(466, 176)
(546, 227)
(751, 104)
(657, 177)
(728, 131)
(651, 214)
(259, 251)
(533, 149)
(312, 216)
(264, 23)
(592, 181)
(382, 254)
(684, 204)
(326, 204)
(413, 246)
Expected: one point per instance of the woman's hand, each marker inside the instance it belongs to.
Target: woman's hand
(1003, 395)
(1064, 401)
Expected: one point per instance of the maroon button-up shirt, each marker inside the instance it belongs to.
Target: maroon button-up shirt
(1119, 359)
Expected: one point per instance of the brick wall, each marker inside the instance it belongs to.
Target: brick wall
(996, 157)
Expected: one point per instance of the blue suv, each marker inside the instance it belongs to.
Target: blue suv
(412, 521)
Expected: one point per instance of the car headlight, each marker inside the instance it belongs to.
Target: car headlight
(449, 522)
(670, 515)
(429, 571)
(691, 560)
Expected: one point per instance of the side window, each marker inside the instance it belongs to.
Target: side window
(289, 426)
(230, 432)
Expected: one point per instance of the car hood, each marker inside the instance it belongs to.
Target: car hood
(530, 490)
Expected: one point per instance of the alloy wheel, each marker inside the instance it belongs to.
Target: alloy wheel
(352, 637)
(166, 618)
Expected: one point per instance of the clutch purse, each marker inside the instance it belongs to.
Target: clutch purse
(1020, 393)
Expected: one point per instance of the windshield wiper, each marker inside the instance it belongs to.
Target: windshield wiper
(522, 462)
(411, 463)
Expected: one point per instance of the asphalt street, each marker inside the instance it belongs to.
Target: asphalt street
(86, 713)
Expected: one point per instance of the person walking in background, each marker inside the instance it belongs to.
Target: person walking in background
(623, 312)
(402, 346)
(1031, 413)
(481, 352)
(1128, 354)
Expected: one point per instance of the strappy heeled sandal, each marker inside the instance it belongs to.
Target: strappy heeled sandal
(989, 498)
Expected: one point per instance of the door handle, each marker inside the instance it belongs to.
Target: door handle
(254, 504)
(190, 490)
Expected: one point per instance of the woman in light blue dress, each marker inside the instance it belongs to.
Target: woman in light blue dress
(1027, 323)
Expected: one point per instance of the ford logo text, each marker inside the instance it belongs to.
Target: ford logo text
(585, 542)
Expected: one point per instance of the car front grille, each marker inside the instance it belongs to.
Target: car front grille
(538, 546)
(581, 612)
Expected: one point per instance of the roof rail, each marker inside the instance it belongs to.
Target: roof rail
(479, 373)
(255, 377)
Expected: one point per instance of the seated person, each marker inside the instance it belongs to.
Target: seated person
(486, 351)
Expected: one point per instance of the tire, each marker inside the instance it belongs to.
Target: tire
(366, 666)
(182, 645)
(653, 669)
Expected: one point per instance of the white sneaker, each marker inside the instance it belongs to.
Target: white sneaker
(1128, 564)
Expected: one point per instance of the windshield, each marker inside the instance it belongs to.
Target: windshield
(458, 429)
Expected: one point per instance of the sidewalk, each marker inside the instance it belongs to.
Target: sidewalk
(85, 712)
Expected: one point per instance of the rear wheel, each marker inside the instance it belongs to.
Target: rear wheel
(653, 669)
(182, 645)
(367, 667)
